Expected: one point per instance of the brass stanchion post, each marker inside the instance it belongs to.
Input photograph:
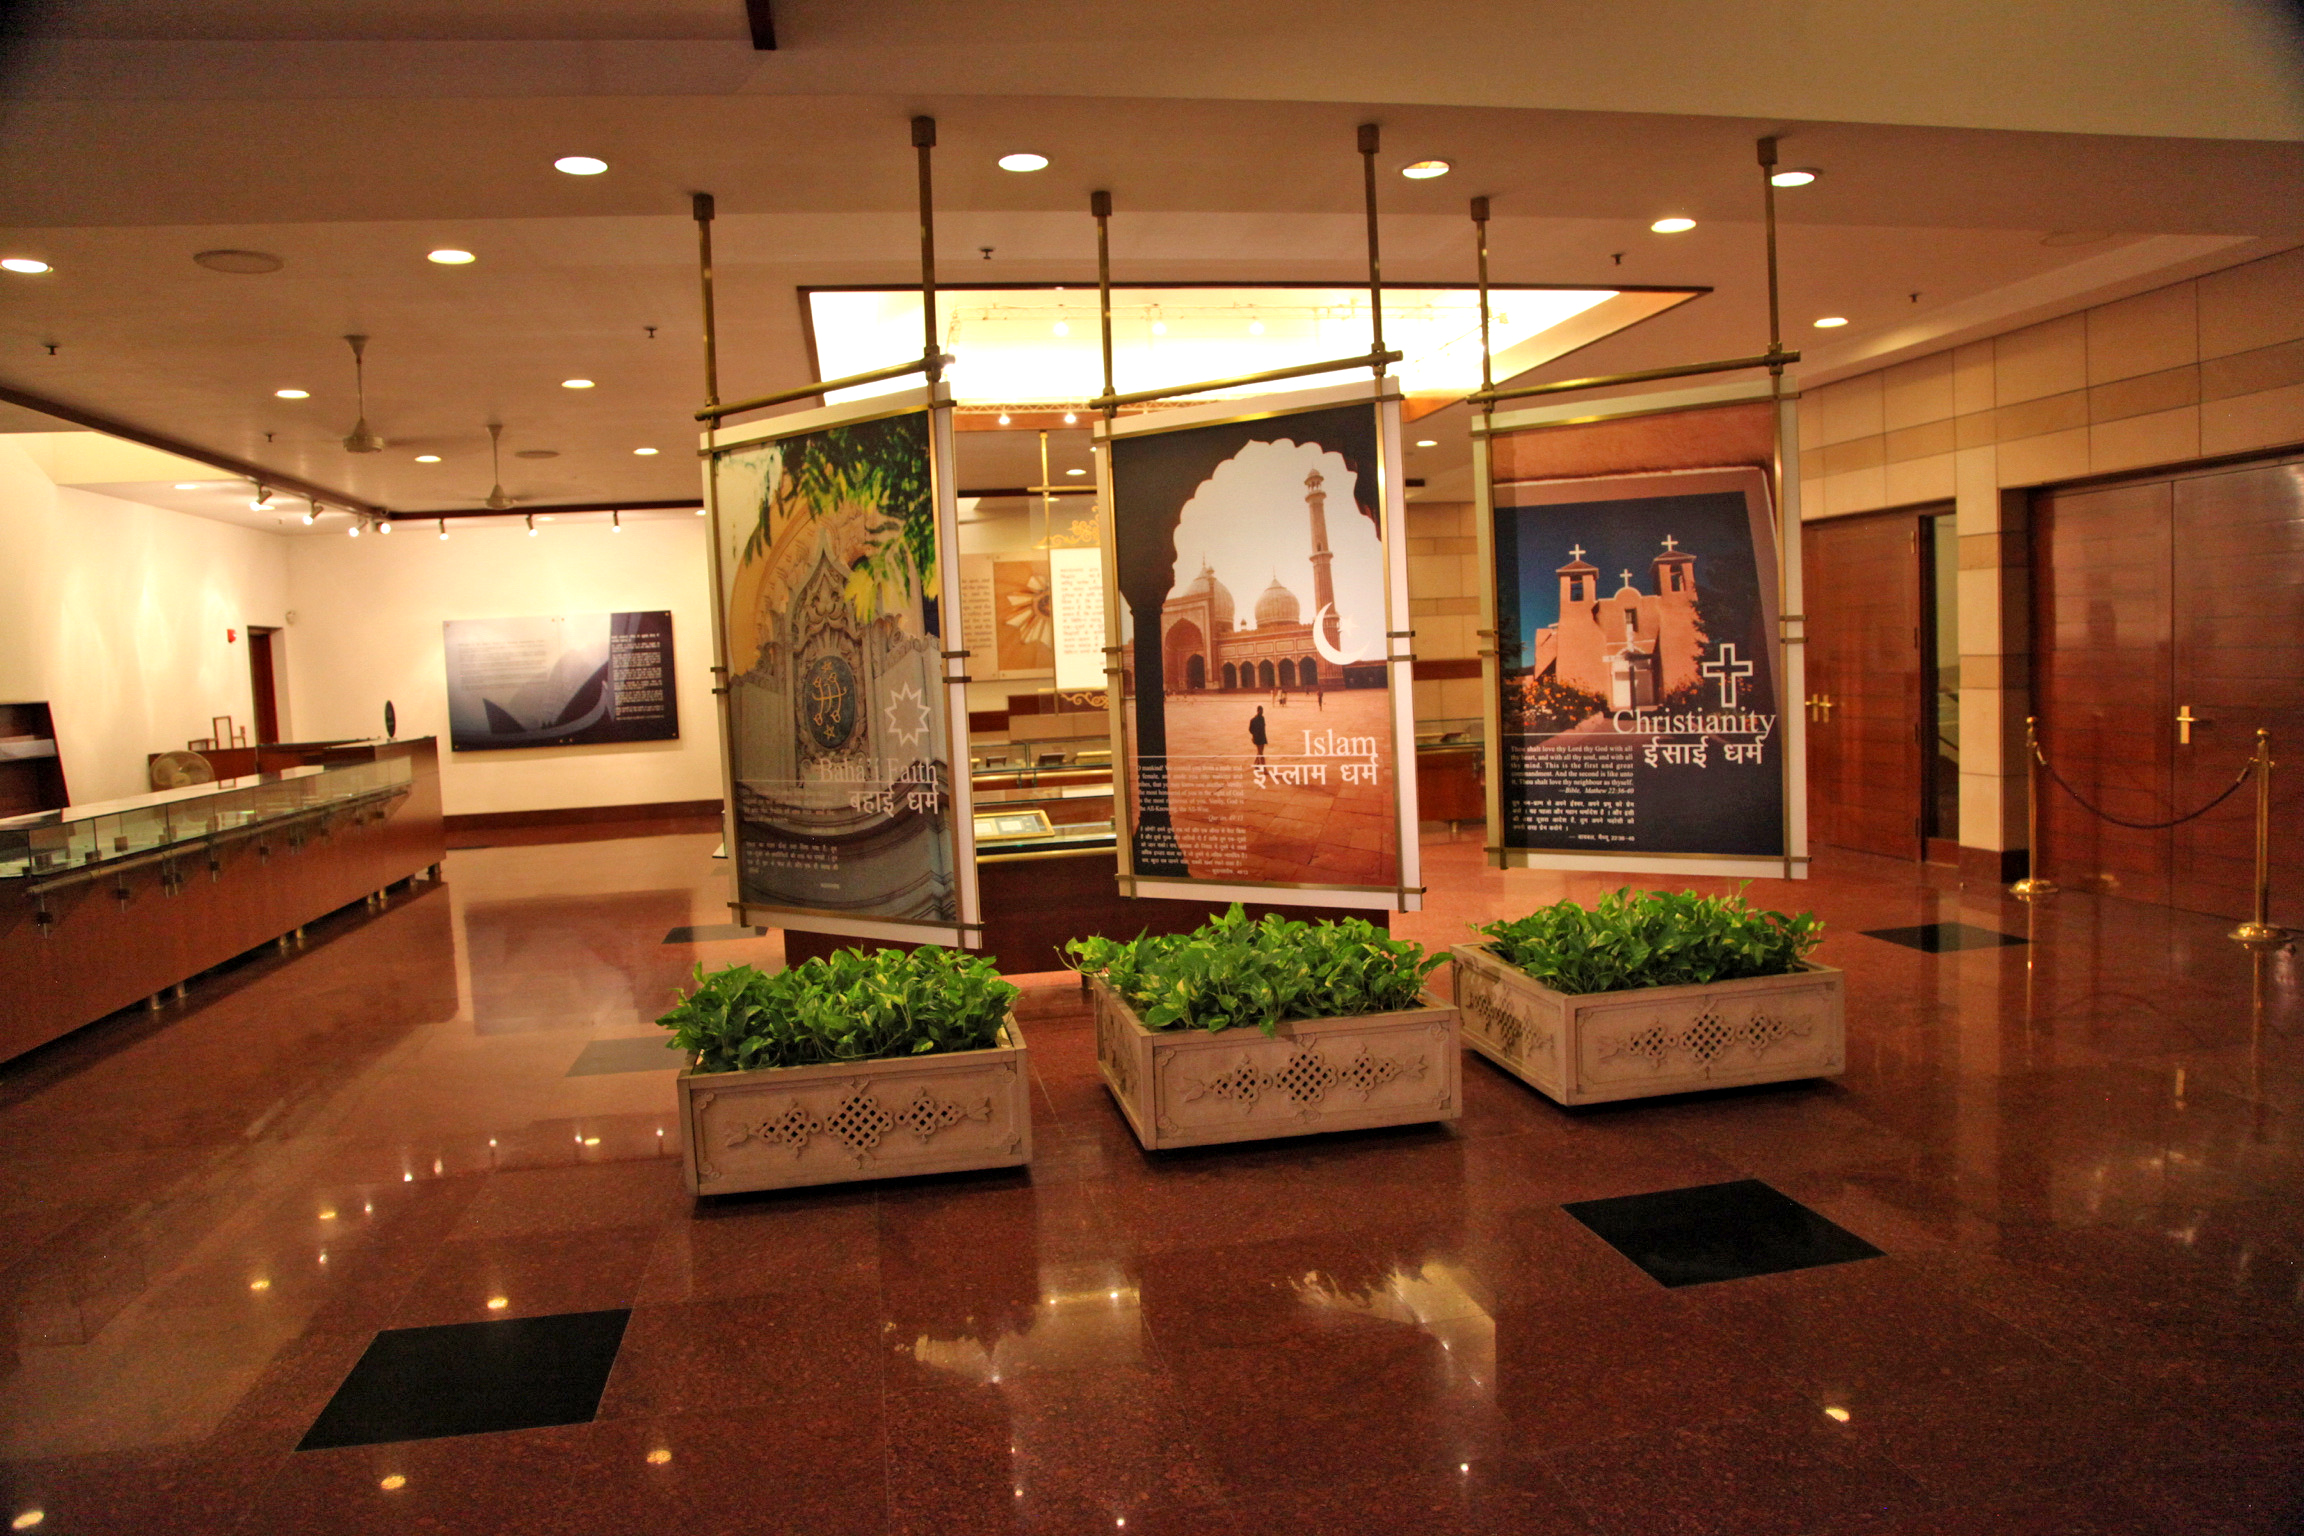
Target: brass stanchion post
(2033, 886)
(2260, 933)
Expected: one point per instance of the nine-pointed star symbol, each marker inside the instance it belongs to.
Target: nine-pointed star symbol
(907, 698)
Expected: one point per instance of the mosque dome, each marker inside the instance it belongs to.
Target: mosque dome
(1219, 596)
(1278, 605)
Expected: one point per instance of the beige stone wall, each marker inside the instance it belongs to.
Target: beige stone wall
(2195, 370)
(1444, 581)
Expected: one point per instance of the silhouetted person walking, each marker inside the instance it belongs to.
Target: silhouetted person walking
(1256, 731)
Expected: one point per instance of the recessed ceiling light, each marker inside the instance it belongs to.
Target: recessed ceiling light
(1070, 417)
(1425, 170)
(26, 264)
(427, 458)
(1024, 162)
(1003, 418)
(644, 453)
(1255, 327)
(1793, 178)
(1060, 328)
(575, 383)
(247, 262)
(1426, 442)
(1075, 471)
(1831, 322)
(1673, 226)
(579, 165)
(191, 485)
(449, 256)
(1159, 327)
(292, 394)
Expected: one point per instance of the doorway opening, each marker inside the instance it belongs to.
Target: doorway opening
(1939, 542)
(263, 685)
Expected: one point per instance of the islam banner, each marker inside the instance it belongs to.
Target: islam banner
(1641, 701)
(1259, 594)
(834, 551)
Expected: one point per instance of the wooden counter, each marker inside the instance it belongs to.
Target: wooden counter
(128, 934)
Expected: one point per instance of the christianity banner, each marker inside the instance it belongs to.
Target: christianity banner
(1636, 718)
(832, 543)
(1265, 708)
(569, 680)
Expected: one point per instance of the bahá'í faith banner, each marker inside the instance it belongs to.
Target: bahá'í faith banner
(1638, 717)
(1264, 709)
(834, 562)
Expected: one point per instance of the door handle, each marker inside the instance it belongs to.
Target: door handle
(2185, 720)
(1820, 708)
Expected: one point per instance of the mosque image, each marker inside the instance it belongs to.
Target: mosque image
(1204, 647)
(1632, 649)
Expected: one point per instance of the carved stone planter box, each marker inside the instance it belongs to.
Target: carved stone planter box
(1590, 1047)
(1189, 1088)
(844, 1121)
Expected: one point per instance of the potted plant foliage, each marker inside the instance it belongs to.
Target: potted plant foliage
(852, 1066)
(1244, 1030)
(1651, 993)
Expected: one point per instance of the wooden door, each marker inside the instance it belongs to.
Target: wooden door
(263, 687)
(2239, 666)
(1862, 595)
(2180, 594)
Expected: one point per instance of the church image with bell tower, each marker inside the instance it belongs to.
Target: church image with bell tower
(1206, 647)
(1631, 649)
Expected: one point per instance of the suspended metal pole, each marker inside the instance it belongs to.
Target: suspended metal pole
(1480, 225)
(1369, 142)
(1768, 216)
(701, 204)
(1100, 204)
(924, 141)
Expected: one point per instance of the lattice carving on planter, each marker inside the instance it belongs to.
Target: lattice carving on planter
(858, 1121)
(1495, 1018)
(1706, 1038)
(1112, 1050)
(1304, 1078)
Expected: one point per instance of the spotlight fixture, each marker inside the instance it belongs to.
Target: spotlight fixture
(615, 522)
(531, 525)
(311, 514)
(1024, 162)
(1060, 328)
(291, 394)
(449, 256)
(1831, 322)
(384, 525)
(575, 383)
(360, 439)
(443, 530)
(28, 265)
(427, 458)
(1425, 170)
(1673, 226)
(1793, 178)
(1071, 418)
(353, 532)
(263, 495)
(1426, 442)
(644, 453)
(1255, 327)
(1003, 418)
(579, 165)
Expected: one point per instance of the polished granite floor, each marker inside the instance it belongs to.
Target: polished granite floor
(2080, 1159)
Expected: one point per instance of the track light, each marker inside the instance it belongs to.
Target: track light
(615, 522)
(531, 525)
(383, 525)
(443, 530)
(353, 532)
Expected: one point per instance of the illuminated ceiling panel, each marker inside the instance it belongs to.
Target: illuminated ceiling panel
(1037, 348)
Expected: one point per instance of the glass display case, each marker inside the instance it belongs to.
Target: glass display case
(106, 832)
(1039, 796)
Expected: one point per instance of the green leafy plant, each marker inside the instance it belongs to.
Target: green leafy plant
(1230, 972)
(848, 1006)
(1652, 939)
(878, 464)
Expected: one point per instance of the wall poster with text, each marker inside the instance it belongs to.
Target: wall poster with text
(1637, 717)
(834, 560)
(566, 680)
(1265, 706)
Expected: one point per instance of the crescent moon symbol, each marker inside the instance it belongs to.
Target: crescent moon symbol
(1320, 643)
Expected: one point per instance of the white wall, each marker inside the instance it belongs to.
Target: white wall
(368, 617)
(115, 614)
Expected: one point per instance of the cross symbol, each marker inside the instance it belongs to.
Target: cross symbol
(1670, 543)
(1728, 671)
(1625, 577)
(1576, 553)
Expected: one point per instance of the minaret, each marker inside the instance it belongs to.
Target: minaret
(1323, 584)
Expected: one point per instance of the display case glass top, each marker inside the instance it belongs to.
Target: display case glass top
(49, 842)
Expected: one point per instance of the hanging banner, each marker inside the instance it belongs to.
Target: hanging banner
(1636, 715)
(1259, 588)
(834, 538)
(1076, 615)
(570, 680)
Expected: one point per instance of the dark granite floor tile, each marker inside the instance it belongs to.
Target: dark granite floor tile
(1717, 1232)
(1942, 938)
(472, 1379)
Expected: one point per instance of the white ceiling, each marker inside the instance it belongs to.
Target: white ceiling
(119, 160)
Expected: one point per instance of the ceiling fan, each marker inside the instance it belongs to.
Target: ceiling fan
(360, 439)
(496, 500)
